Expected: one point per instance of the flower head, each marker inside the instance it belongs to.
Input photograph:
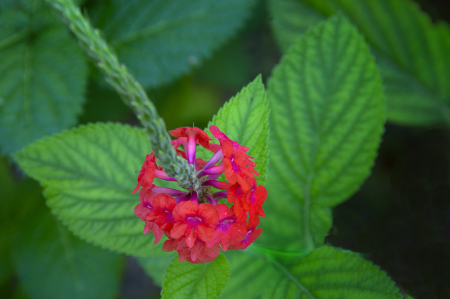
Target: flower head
(196, 224)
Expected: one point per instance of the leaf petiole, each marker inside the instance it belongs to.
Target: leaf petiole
(273, 254)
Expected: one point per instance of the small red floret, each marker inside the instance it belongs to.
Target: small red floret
(229, 230)
(200, 136)
(194, 221)
(161, 214)
(147, 173)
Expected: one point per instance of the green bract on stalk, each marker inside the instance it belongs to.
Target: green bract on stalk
(129, 89)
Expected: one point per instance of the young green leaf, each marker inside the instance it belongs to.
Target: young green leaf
(43, 75)
(411, 51)
(244, 118)
(196, 281)
(161, 40)
(51, 263)
(88, 174)
(328, 272)
(326, 123)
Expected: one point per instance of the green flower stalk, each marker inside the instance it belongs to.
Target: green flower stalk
(129, 89)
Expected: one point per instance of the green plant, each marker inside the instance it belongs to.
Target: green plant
(314, 133)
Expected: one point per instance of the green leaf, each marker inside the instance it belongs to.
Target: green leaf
(244, 118)
(250, 276)
(156, 267)
(326, 123)
(411, 51)
(161, 40)
(51, 263)
(204, 280)
(43, 75)
(287, 25)
(331, 273)
(88, 174)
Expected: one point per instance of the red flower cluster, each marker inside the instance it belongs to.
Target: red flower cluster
(194, 221)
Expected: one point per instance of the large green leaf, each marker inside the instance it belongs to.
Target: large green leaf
(249, 276)
(245, 119)
(411, 51)
(196, 281)
(328, 272)
(327, 116)
(51, 263)
(88, 174)
(161, 40)
(43, 75)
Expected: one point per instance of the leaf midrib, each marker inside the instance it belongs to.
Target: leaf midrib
(197, 281)
(291, 277)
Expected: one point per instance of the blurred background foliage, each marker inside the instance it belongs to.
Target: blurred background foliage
(399, 219)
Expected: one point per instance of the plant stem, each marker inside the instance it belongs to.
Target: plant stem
(131, 92)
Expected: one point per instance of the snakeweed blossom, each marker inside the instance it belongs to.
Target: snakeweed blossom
(195, 222)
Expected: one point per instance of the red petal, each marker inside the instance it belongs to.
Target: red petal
(148, 227)
(261, 194)
(245, 182)
(157, 233)
(217, 133)
(252, 236)
(178, 230)
(209, 213)
(177, 142)
(212, 252)
(146, 196)
(197, 250)
(162, 202)
(178, 132)
(170, 245)
(148, 177)
(190, 236)
(255, 234)
(215, 239)
(237, 233)
(227, 149)
(205, 232)
(141, 211)
(136, 189)
(184, 209)
(223, 211)
(229, 172)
